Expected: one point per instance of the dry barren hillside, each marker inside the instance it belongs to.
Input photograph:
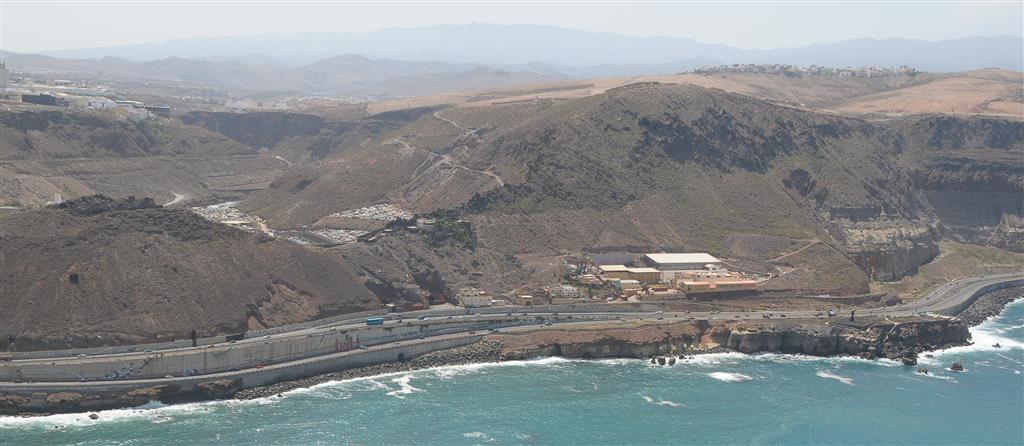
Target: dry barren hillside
(661, 166)
(749, 168)
(48, 150)
(990, 91)
(100, 271)
(193, 158)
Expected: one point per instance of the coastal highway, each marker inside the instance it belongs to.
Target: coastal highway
(308, 343)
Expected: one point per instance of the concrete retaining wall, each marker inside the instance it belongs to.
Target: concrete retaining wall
(111, 390)
(241, 355)
(954, 310)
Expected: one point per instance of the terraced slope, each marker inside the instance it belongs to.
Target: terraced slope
(77, 153)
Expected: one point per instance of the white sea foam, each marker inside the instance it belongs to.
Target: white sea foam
(479, 436)
(441, 372)
(730, 377)
(617, 361)
(830, 375)
(785, 358)
(663, 402)
(374, 385)
(154, 411)
(936, 376)
(986, 335)
(715, 358)
(984, 340)
(404, 387)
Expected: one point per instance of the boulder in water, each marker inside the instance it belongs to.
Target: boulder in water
(94, 416)
(908, 361)
(957, 367)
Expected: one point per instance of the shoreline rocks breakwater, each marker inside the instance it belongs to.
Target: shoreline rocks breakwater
(485, 350)
(869, 339)
(990, 304)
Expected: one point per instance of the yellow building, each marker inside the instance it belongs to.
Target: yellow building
(621, 272)
(715, 285)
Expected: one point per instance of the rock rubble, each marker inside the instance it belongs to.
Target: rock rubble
(482, 351)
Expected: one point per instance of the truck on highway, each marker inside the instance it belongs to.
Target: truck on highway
(375, 321)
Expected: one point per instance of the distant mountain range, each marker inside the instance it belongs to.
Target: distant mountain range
(571, 52)
(345, 74)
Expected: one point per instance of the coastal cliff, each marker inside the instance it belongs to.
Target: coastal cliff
(899, 341)
(883, 339)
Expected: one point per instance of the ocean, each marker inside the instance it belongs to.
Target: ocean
(713, 399)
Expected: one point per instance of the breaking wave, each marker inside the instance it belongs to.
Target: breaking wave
(663, 402)
(829, 375)
(990, 333)
(154, 411)
(404, 387)
(730, 377)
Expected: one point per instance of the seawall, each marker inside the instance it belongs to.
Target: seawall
(869, 338)
(53, 397)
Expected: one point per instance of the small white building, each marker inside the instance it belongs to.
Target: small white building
(97, 102)
(473, 298)
(565, 292)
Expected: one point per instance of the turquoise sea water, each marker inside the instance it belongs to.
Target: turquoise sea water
(715, 399)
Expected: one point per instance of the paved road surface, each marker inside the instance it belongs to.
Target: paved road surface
(947, 299)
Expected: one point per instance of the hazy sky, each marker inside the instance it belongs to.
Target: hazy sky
(36, 26)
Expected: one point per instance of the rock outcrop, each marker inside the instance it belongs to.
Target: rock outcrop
(220, 388)
(893, 341)
(889, 250)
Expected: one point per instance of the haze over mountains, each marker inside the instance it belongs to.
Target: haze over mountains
(550, 49)
(529, 146)
(345, 74)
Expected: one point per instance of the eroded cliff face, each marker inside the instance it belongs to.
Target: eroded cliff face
(888, 340)
(894, 341)
(971, 171)
(889, 250)
(621, 343)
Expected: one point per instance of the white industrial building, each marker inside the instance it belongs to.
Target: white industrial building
(670, 263)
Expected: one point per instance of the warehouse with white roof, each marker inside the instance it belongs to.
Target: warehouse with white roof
(681, 261)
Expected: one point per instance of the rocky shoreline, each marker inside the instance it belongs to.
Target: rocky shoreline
(886, 341)
(869, 339)
(485, 350)
(990, 304)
